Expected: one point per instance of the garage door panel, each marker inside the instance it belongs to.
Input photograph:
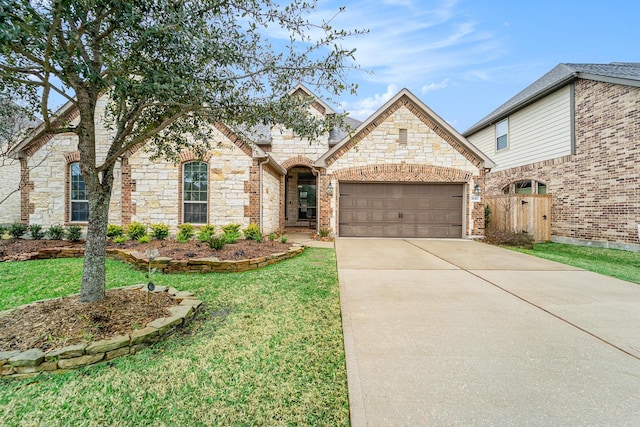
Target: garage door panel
(400, 210)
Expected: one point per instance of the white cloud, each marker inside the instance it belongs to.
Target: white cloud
(434, 86)
(362, 109)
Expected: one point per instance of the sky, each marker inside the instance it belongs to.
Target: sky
(465, 58)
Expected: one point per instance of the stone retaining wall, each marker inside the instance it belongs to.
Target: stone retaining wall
(168, 265)
(25, 364)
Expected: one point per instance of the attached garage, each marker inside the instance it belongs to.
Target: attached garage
(400, 210)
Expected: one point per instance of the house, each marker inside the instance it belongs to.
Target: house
(403, 172)
(574, 133)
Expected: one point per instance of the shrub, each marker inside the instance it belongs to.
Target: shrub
(206, 232)
(324, 232)
(74, 233)
(231, 232)
(216, 242)
(3, 229)
(17, 229)
(144, 239)
(487, 216)
(136, 230)
(252, 232)
(509, 238)
(35, 230)
(114, 231)
(56, 232)
(283, 239)
(272, 237)
(185, 232)
(119, 240)
(159, 231)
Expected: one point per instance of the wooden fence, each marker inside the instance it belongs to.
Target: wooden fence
(521, 212)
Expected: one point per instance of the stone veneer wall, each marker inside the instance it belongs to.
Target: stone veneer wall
(156, 196)
(10, 179)
(596, 191)
(378, 156)
(271, 206)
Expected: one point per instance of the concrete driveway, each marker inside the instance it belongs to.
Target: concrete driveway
(455, 332)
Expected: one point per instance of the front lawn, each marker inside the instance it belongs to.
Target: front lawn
(267, 350)
(610, 262)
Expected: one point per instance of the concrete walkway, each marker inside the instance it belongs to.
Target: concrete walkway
(459, 333)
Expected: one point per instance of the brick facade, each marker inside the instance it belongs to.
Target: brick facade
(596, 191)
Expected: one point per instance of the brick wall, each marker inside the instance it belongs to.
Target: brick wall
(596, 191)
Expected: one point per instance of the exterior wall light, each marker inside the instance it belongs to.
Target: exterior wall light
(329, 190)
(476, 190)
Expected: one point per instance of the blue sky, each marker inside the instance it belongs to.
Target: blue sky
(464, 58)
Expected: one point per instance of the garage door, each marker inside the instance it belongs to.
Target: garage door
(400, 210)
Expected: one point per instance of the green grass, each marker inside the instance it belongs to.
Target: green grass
(267, 350)
(610, 262)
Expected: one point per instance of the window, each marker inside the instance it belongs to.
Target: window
(502, 135)
(79, 203)
(195, 186)
(526, 186)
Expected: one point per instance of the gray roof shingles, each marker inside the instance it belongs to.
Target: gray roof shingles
(557, 77)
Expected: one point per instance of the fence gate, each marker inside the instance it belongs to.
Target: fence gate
(521, 212)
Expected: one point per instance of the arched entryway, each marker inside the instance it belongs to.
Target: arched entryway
(301, 199)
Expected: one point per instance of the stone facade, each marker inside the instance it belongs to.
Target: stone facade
(259, 184)
(596, 196)
(9, 190)
(379, 154)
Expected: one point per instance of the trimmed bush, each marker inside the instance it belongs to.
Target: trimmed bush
(56, 232)
(206, 232)
(216, 242)
(252, 232)
(74, 233)
(159, 231)
(114, 231)
(17, 230)
(231, 232)
(35, 230)
(185, 232)
(119, 240)
(136, 230)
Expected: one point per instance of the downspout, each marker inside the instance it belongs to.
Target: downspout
(318, 199)
(261, 216)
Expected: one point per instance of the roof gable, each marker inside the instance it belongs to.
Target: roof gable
(626, 73)
(405, 98)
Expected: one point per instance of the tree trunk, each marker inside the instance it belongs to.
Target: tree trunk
(98, 185)
(95, 253)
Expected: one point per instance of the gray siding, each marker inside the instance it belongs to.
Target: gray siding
(541, 131)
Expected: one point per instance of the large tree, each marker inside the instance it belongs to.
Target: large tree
(170, 68)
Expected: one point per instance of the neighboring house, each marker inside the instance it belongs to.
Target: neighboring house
(403, 172)
(13, 126)
(575, 134)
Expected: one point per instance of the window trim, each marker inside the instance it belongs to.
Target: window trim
(184, 192)
(70, 199)
(498, 136)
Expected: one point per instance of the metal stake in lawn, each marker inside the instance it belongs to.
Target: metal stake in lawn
(151, 254)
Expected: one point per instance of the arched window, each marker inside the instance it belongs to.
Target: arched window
(195, 192)
(79, 205)
(526, 186)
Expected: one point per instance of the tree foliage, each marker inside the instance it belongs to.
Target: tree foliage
(170, 68)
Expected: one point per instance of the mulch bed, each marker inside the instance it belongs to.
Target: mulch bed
(11, 249)
(67, 321)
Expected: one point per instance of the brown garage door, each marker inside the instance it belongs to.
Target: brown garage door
(400, 210)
